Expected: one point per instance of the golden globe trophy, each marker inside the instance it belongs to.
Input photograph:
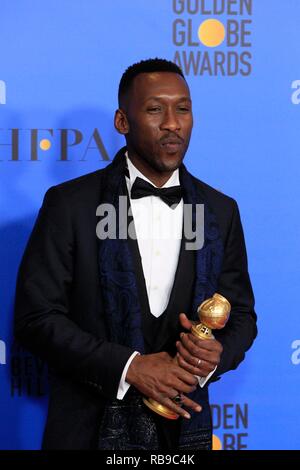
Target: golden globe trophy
(213, 314)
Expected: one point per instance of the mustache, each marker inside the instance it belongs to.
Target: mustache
(171, 138)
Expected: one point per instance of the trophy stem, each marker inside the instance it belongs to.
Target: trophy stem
(202, 331)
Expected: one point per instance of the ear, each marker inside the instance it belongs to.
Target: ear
(121, 122)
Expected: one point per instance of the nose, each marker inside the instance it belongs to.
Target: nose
(170, 121)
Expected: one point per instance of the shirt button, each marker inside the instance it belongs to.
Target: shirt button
(157, 253)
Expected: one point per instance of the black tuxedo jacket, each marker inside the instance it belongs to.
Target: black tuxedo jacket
(59, 307)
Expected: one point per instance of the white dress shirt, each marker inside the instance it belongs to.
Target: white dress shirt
(159, 231)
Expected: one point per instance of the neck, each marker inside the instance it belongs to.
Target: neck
(157, 178)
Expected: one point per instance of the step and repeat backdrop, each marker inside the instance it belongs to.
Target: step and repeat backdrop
(60, 65)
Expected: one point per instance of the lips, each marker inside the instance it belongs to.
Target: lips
(171, 141)
(171, 145)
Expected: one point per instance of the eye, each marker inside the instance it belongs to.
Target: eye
(154, 109)
(183, 109)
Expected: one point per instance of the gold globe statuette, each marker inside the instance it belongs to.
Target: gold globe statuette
(213, 314)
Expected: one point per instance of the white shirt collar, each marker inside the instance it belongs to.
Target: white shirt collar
(134, 173)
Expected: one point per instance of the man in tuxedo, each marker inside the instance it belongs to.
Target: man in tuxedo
(110, 312)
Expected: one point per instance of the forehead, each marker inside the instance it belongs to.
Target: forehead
(160, 84)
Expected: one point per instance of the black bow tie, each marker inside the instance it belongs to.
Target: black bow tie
(142, 188)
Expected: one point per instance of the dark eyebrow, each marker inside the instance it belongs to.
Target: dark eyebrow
(158, 98)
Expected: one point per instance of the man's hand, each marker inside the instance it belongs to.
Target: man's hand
(158, 376)
(199, 357)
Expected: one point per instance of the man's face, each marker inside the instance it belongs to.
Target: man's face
(159, 115)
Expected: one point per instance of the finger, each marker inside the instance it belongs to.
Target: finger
(196, 366)
(187, 402)
(187, 366)
(200, 366)
(185, 354)
(185, 377)
(200, 370)
(185, 322)
(179, 410)
(197, 351)
(207, 344)
(169, 392)
(182, 387)
(192, 347)
(179, 379)
(169, 403)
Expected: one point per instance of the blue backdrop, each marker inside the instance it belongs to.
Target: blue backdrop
(60, 65)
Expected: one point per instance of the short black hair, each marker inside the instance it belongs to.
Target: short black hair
(145, 66)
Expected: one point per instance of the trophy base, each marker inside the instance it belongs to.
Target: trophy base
(160, 409)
